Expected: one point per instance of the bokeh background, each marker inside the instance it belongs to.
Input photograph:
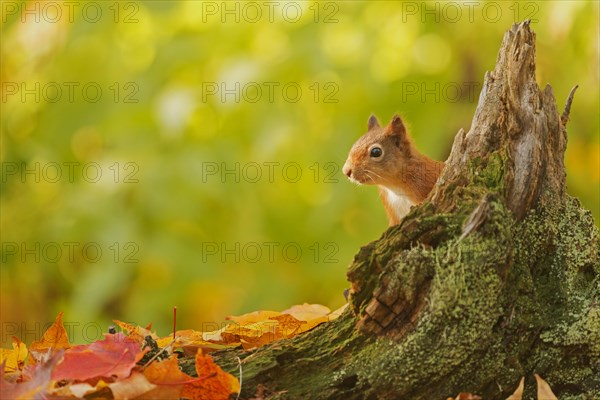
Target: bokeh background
(163, 138)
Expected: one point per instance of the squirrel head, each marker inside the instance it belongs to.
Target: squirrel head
(377, 157)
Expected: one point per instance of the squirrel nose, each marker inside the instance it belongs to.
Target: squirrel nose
(347, 170)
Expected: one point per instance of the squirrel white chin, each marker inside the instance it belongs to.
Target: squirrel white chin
(398, 203)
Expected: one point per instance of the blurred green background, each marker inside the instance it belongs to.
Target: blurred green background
(153, 110)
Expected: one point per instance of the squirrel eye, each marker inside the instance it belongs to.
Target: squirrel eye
(376, 152)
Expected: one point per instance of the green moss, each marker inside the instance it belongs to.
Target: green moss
(510, 299)
(489, 172)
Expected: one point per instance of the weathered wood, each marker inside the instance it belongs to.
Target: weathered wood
(495, 276)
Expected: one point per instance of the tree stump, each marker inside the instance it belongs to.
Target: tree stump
(494, 277)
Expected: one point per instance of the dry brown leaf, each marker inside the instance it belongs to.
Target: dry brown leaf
(543, 389)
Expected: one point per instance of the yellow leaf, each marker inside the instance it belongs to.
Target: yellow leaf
(14, 357)
(250, 318)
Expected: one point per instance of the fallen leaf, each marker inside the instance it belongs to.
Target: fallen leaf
(288, 325)
(253, 335)
(133, 386)
(190, 341)
(214, 336)
(261, 327)
(14, 357)
(135, 332)
(114, 356)
(55, 338)
(213, 383)
(543, 389)
(335, 314)
(167, 378)
(307, 312)
(253, 317)
(36, 387)
(518, 394)
(79, 390)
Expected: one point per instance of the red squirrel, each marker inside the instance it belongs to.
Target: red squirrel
(386, 157)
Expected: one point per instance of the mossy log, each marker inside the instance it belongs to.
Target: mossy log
(494, 277)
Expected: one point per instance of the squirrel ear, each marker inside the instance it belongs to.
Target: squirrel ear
(397, 126)
(373, 123)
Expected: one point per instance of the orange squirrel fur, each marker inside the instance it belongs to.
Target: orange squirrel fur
(386, 157)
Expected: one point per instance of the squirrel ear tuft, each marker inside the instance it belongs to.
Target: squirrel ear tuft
(397, 126)
(373, 122)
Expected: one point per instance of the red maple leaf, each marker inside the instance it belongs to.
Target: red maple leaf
(114, 356)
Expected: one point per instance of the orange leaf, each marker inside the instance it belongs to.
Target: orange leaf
(261, 327)
(254, 334)
(543, 389)
(116, 355)
(14, 357)
(54, 338)
(167, 377)
(289, 326)
(135, 332)
(213, 383)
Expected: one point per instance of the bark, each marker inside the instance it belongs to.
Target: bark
(494, 277)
